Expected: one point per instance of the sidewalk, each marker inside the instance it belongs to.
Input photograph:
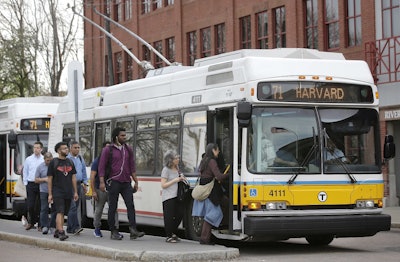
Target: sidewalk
(394, 212)
(147, 248)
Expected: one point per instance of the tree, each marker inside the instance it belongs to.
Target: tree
(59, 40)
(43, 38)
(16, 60)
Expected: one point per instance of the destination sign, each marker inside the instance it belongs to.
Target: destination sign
(35, 123)
(316, 92)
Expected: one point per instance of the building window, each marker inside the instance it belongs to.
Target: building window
(192, 47)
(158, 62)
(280, 27)
(170, 43)
(118, 10)
(220, 43)
(129, 66)
(157, 4)
(262, 30)
(332, 23)
(311, 29)
(128, 9)
(205, 42)
(146, 6)
(353, 22)
(391, 18)
(169, 2)
(245, 32)
(118, 67)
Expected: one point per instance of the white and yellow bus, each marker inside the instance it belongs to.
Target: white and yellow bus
(23, 121)
(276, 115)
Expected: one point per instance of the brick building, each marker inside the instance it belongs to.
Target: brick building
(183, 30)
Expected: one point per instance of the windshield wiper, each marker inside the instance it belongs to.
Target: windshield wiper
(306, 159)
(337, 159)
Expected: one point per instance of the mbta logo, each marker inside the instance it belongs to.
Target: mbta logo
(322, 196)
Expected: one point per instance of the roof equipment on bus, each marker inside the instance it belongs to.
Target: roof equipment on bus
(137, 37)
(144, 64)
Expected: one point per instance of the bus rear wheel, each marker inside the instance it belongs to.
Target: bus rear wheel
(320, 240)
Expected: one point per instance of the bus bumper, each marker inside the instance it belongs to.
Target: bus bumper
(301, 226)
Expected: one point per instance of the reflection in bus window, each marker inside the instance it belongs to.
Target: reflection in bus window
(282, 140)
(194, 141)
(168, 138)
(145, 145)
(25, 148)
(352, 132)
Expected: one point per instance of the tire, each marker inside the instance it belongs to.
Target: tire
(320, 240)
(192, 224)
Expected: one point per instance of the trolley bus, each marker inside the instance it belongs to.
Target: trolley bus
(23, 121)
(275, 115)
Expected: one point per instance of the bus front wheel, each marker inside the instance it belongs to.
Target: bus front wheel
(320, 240)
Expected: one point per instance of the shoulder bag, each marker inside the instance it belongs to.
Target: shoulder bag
(201, 192)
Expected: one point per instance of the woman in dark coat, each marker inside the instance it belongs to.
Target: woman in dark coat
(210, 208)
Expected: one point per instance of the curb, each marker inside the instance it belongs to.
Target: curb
(120, 255)
(395, 225)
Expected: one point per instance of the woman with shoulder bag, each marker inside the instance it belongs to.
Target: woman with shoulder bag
(210, 208)
(173, 211)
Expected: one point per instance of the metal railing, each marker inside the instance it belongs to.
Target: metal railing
(383, 58)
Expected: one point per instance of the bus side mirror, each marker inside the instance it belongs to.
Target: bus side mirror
(243, 114)
(389, 148)
(12, 140)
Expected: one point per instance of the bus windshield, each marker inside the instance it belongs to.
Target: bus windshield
(25, 148)
(295, 140)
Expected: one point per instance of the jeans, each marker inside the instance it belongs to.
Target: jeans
(44, 212)
(99, 207)
(73, 222)
(126, 191)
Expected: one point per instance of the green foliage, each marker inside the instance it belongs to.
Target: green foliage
(16, 73)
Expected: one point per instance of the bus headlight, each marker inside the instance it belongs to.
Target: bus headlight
(365, 204)
(275, 205)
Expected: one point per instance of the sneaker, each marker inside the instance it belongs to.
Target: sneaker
(39, 229)
(176, 238)
(135, 233)
(52, 230)
(115, 235)
(122, 236)
(97, 232)
(62, 235)
(45, 230)
(170, 240)
(56, 234)
(77, 231)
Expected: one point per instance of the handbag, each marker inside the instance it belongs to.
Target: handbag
(183, 190)
(201, 192)
(20, 188)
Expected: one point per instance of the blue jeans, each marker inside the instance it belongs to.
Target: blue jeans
(72, 221)
(44, 212)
